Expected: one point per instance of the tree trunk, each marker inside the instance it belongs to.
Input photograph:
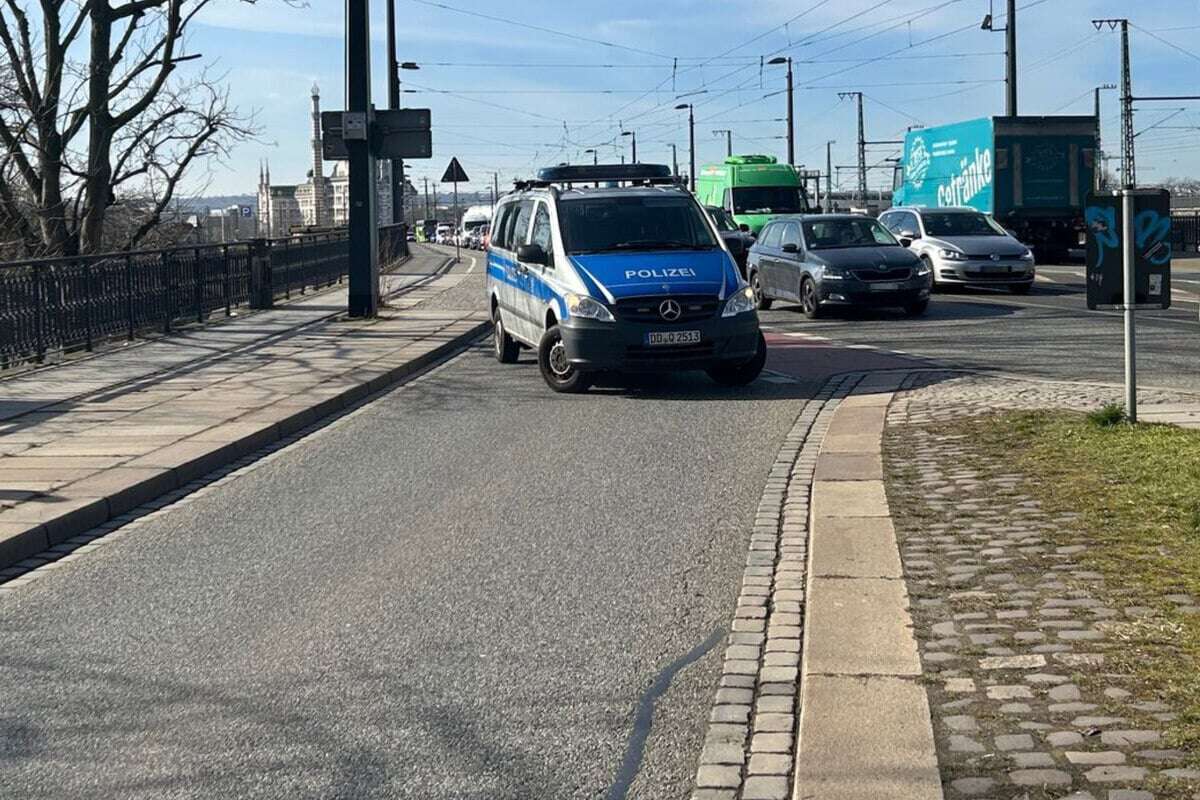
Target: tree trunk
(97, 184)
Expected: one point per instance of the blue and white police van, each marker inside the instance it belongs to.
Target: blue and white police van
(616, 268)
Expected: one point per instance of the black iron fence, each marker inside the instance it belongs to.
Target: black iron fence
(60, 305)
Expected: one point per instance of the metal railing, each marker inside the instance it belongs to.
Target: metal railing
(60, 305)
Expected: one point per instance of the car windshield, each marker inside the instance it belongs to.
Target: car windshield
(961, 224)
(832, 233)
(633, 222)
(722, 219)
(768, 200)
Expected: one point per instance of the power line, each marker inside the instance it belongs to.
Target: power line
(539, 28)
(1152, 35)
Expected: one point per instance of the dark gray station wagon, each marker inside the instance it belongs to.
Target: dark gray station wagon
(822, 261)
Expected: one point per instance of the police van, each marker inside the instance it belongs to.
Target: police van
(617, 268)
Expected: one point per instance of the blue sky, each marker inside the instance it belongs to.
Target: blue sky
(562, 95)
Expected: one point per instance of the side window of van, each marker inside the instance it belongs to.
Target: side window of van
(541, 229)
(519, 234)
(770, 237)
(503, 223)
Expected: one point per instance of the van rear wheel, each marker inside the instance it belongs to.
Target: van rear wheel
(504, 346)
(559, 373)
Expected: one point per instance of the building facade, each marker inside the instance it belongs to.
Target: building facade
(319, 202)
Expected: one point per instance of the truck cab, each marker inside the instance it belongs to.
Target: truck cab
(752, 189)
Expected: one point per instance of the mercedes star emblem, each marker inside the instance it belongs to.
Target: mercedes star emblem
(669, 310)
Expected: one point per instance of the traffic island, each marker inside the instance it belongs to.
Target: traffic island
(74, 465)
(1054, 570)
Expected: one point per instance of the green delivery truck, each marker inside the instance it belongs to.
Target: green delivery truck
(752, 189)
(1032, 174)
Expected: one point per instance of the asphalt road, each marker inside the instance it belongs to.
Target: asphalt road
(1048, 333)
(463, 590)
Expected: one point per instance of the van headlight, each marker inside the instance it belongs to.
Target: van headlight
(739, 302)
(1027, 255)
(952, 255)
(584, 307)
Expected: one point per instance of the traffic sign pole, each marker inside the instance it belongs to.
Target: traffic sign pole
(1130, 299)
(356, 129)
(456, 253)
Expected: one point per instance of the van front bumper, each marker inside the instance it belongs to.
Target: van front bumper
(622, 346)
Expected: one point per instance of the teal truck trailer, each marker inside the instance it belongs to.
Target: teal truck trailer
(1032, 174)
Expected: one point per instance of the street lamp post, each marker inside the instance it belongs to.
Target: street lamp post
(633, 139)
(595, 157)
(394, 103)
(691, 142)
(791, 113)
(674, 161)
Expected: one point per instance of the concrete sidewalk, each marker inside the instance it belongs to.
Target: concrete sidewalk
(90, 440)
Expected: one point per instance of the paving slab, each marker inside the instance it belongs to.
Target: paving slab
(859, 626)
(851, 443)
(849, 499)
(865, 738)
(849, 467)
(854, 547)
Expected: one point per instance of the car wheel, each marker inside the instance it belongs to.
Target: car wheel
(504, 347)
(744, 373)
(1020, 288)
(559, 373)
(933, 281)
(761, 300)
(918, 308)
(808, 299)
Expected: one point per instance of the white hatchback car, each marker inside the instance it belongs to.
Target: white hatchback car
(963, 247)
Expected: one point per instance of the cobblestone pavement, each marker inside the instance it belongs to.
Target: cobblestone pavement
(1013, 631)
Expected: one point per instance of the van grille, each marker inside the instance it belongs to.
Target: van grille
(677, 353)
(646, 309)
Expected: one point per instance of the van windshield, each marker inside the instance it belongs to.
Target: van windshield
(634, 222)
(768, 200)
(961, 223)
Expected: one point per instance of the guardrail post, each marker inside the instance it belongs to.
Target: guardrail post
(227, 288)
(129, 295)
(164, 262)
(198, 272)
(39, 314)
(261, 293)
(87, 306)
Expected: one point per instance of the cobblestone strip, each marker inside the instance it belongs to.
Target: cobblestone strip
(1014, 633)
(750, 747)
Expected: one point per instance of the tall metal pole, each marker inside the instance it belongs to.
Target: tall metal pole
(1129, 300)
(393, 103)
(1128, 167)
(829, 174)
(728, 142)
(495, 186)
(1010, 54)
(633, 138)
(791, 121)
(364, 222)
(862, 152)
(454, 227)
(1099, 160)
(692, 147)
(426, 180)
(674, 161)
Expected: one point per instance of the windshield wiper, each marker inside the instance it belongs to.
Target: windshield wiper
(659, 245)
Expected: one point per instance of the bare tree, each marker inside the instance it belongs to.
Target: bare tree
(85, 125)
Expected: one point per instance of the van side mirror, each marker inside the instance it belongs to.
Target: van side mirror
(906, 241)
(531, 254)
(744, 228)
(791, 247)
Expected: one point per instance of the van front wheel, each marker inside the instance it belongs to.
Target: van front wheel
(559, 373)
(744, 373)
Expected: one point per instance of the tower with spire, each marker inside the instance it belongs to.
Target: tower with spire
(320, 217)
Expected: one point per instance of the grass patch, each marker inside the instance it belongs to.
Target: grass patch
(1108, 416)
(1136, 489)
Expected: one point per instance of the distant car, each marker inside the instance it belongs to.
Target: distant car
(736, 237)
(963, 246)
(410, 236)
(834, 260)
